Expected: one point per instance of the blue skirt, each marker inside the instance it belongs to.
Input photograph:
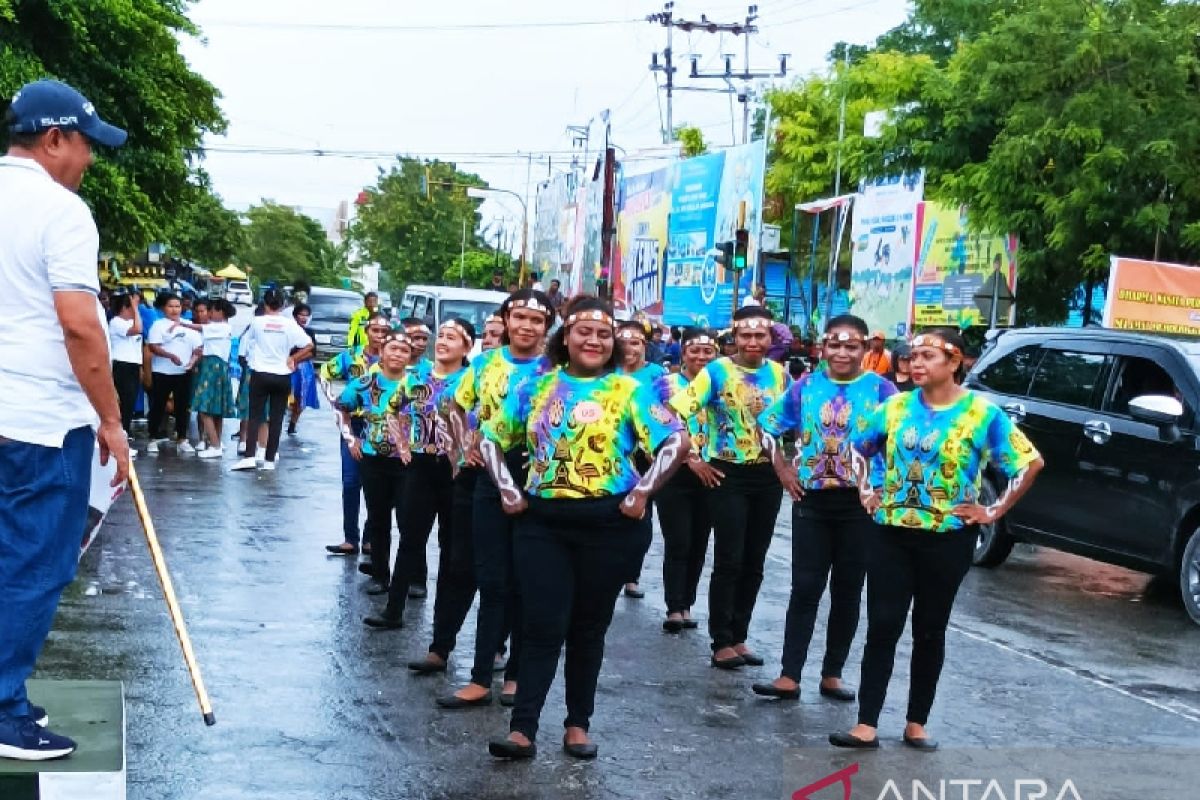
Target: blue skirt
(304, 386)
(212, 393)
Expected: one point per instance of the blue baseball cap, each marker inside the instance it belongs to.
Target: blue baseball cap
(46, 104)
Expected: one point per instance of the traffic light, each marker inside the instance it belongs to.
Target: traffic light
(741, 249)
(724, 254)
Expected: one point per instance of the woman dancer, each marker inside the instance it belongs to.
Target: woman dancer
(493, 332)
(278, 345)
(580, 517)
(212, 395)
(492, 377)
(125, 342)
(682, 504)
(632, 335)
(176, 350)
(745, 502)
(424, 444)
(377, 450)
(304, 379)
(935, 442)
(831, 533)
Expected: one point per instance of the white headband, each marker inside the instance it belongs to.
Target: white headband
(595, 315)
(751, 323)
(532, 304)
(456, 325)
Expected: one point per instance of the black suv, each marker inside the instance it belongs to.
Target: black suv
(1114, 415)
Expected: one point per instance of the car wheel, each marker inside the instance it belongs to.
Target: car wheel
(1189, 577)
(994, 543)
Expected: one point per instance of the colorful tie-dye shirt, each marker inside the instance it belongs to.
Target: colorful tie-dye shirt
(734, 397)
(825, 413)
(582, 432)
(934, 457)
(671, 384)
(648, 374)
(371, 396)
(492, 377)
(420, 404)
(348, 365)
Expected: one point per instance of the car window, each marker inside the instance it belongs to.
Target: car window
(1141, 376)
(1011, 373)
(420, 303)
(1067, 377)
(475, 312)
(333, 308)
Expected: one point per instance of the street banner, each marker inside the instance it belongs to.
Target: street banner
(706, 194)
(953, 263)
(591, 249)
(1153, 296)
(554, 229)
(639, 264)
(884, 232)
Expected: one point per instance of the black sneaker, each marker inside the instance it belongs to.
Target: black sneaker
(23, 740)
(40, 717)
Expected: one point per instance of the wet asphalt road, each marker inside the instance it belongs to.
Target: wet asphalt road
(1048, 650)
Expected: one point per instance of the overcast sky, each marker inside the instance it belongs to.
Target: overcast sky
(395, 76)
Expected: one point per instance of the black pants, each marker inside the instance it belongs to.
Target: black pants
(686, 523)
(744, 508)
(456, 571)
(830, 536)
(642, 462)
(572, 557)
(428, 497)
(924, 570)
(178, 387)
(126, 377)
(267, 388)
(383, 488)
(499, 596)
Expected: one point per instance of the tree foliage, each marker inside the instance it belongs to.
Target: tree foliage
(124, 56)
(691, 141)
(204, 230)
(283, 245)
(413, 218)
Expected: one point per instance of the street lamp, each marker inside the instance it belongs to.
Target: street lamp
(482, 194)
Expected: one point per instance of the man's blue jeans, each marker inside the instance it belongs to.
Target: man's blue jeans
(351, 494)
(43, 511)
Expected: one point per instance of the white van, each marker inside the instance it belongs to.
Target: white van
(436, 304)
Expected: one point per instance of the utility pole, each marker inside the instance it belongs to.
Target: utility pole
(746, 94)
(666, 18)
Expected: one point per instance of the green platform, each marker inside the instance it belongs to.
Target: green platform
(93, 714)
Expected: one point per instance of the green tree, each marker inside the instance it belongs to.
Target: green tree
(283, 245)
(204, 230)
(1073, 125)
(124, 56)
(413, 220)
(691, 141)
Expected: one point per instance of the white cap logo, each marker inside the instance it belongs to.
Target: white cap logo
(89, 109)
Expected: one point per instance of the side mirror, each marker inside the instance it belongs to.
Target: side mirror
(1160, 410)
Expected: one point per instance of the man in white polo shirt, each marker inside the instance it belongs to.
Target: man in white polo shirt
(56, 389)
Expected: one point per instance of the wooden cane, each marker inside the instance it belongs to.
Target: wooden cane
(164, 579)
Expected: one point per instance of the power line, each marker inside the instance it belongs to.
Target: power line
(423, 28)
(830, 13)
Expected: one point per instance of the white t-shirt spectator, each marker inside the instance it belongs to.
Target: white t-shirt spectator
(126, 347)
(218, 339)
(273, 338)
(48, 244)
(177, 340)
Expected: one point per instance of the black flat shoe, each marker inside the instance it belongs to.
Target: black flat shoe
(365, 568)
(841, 694)
(376, 589)
(418, 591)
(672, 625)
(752, 660)
(506, 748)
(771, 690)
(341, 550)
(735, 662)
(690, 624)
(508, 699)
(453, 701)
(635, 594)
(383, 622)
(853, 742)
(922, 743)
(585, 752)
(426, 667)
